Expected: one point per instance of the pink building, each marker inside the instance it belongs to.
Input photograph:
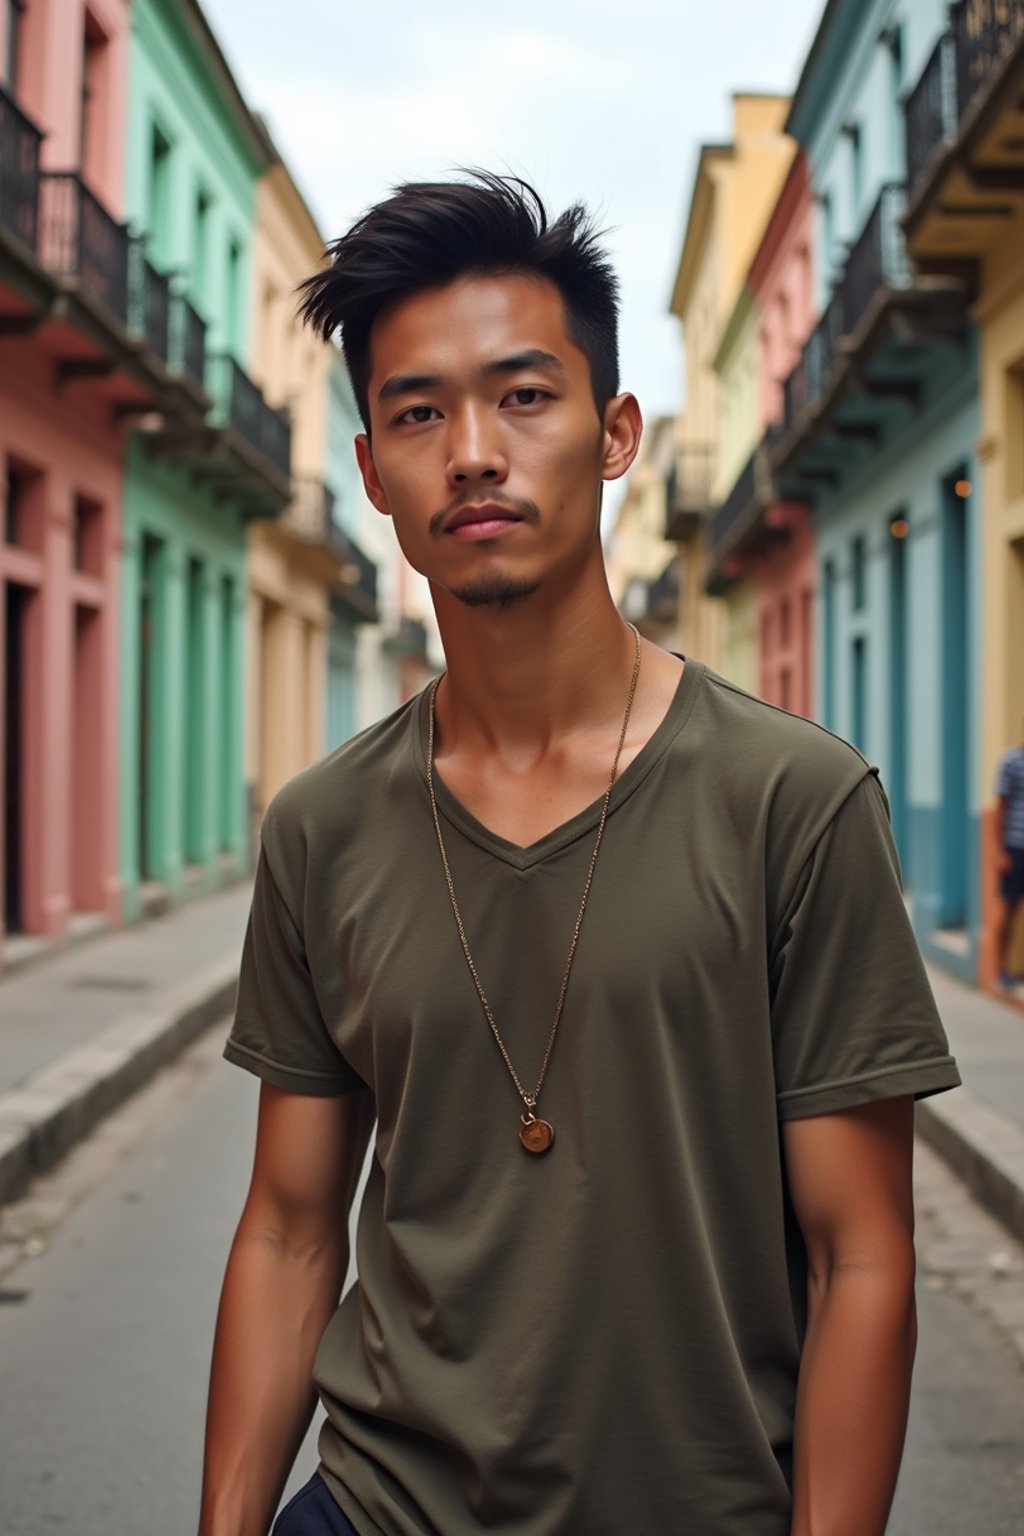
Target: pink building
(784, 574)
(83, 324)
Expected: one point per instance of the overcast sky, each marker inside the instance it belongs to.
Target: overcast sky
(604, 100)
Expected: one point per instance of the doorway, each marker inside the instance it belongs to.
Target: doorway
(16, 608)
(956, 491)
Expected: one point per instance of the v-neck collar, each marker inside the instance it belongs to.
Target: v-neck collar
(456, 813)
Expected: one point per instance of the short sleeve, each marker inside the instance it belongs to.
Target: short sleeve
(853, 1017)
(1004, 778)
(279, 1032)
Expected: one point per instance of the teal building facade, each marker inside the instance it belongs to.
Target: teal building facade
(194, 153)
(880, 420)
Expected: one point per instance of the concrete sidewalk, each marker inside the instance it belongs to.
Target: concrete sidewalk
(82, 1031)
(979, 1128)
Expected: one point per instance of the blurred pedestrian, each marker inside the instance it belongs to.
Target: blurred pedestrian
(1010, 839)
(675, 1298)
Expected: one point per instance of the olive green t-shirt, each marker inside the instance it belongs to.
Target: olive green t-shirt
(602, 1340)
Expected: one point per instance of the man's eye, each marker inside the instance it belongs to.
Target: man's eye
(528, 395)
(417, 413)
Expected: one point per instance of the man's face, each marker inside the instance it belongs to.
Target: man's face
(487, 450)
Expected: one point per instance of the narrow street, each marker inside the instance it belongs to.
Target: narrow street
(109, 1275)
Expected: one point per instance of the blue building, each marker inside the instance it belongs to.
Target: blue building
(357, 603)
(880, 420)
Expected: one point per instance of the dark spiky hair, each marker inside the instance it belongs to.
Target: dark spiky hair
(428, 234)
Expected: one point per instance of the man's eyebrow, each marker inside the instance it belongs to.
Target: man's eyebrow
(532, 357)
(407, 384)
(516, 362)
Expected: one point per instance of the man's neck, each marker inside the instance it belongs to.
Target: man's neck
(520, 679)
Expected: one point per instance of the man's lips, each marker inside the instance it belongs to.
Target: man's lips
(482, 521)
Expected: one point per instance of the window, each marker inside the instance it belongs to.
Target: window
(896, 146)
(15, 13)
(860, 692)
(158, 211)
(858, 573)
(87, 536)
(829, 642)
(828, 234)
(201, 248)
(856, 138)
(233, 305)
(93, 101)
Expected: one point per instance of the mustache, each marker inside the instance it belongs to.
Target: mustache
(524, 508)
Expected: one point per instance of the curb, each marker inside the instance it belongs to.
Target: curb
(984, 1147)
(50, 1111)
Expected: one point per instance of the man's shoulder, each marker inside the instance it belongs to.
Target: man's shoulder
(342, 786)
(768, 745)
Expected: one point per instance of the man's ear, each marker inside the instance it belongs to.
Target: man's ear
(623, 428)
(371, 480)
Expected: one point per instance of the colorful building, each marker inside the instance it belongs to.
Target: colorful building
(964, 219)
(85, 351)
(353, 658)
(735, 187)
(643, 567)
(310, 584)
(879, 422)
(757, 537)
(195, 153)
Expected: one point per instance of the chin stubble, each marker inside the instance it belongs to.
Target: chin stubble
(494, 592)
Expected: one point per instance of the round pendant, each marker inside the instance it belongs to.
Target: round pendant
(535, 1135)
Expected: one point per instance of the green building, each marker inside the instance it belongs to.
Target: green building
(192, 479)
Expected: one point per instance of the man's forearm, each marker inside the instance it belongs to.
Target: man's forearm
(274, 1307)
(852, 1402)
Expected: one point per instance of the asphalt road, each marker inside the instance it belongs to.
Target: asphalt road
(113, 1267)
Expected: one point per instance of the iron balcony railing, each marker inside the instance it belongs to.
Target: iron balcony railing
(241, 406)
(688, 482)
(877, 259)
(149, 301)
(822, 348)
(19, 172)
(735, 506)
(79, 238)
(794, 393)
(312, 515)
(930, 111)
(983, 31)
(187, 341)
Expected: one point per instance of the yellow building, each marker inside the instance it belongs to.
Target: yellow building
(965, 215)
(643, 567)
(735, 365)
(735, 189)
(298, 562)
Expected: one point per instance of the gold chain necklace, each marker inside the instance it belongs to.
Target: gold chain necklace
(536, 1135)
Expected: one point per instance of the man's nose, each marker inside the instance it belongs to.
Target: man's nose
(476, 451)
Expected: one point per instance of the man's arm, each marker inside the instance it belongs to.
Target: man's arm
(850, 1176)
(283, 1279)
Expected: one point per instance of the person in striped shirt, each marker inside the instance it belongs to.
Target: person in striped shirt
(1010, 832)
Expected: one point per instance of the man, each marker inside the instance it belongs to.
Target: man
(635, 1254)
(1010, 836)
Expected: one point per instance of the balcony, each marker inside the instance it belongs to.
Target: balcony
(965, 137)
(877, 262)
(81, 241)
(187, 343)
(258, 437)
(19, 173)
(688, 490)
(653, 603)
(149, 302)
(869, 356)
(408, 638)
(311, 517)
